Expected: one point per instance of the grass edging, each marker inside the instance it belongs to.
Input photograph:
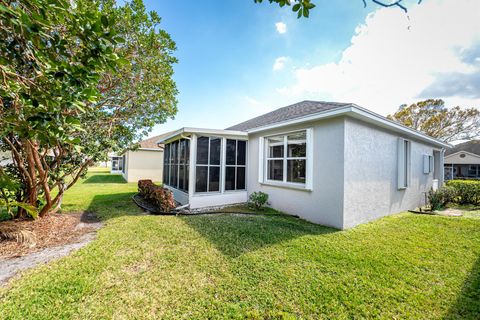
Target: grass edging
(196, 213)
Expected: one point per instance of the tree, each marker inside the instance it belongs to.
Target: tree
(434, 119)
(303, 7)
(77, 79)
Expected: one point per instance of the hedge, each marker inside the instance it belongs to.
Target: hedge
(157, 195)
(466, 191)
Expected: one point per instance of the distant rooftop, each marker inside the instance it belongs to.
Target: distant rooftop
(151, 143)
(472, 146)
(290, 112)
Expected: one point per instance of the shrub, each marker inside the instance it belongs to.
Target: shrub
(258, 200)
(466, 191)
(438, 199)
(143, 186)
(157, 195)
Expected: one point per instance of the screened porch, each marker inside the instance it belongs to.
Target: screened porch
(206, 168)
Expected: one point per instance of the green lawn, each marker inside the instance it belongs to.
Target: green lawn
(261, 266)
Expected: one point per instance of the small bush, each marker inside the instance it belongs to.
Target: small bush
(258, 200)
(440, 198)
(158, 196)
(143, 187)
(466, 191)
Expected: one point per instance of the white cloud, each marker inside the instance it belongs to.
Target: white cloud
(394, 60)
(279, 63)
(281, 27)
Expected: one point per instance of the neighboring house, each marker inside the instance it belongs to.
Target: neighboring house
(144, 163)
(463, 161)
(336, 164)
(5, 158)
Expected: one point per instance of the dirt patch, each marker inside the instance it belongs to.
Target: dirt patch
(55, 236)
(450, 212)
(50, 231)
(11, 267)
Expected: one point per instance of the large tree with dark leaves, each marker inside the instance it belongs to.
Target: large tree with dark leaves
(77, 79)
(436, 120)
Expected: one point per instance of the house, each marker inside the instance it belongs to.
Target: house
(335, 164)
(463, 161)
(5, 158)
(146, 162)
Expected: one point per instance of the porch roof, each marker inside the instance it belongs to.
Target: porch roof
(202, 131)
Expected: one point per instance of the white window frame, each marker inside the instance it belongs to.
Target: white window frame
(404, 163)
(264, 158)
(169, 163)
(120, 164)
(236, 165)
(208, 165)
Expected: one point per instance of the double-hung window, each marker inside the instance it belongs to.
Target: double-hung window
(286, 158)
(208, 164)
(235, 164)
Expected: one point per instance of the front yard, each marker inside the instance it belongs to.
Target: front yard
(239, 266)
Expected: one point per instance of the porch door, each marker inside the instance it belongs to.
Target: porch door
(448, 172)
(115, 164)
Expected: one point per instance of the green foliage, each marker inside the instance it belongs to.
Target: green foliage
(229, 266)
(8, 203)
(301, 7)
(441, 197)
(434, 119)
(78, 79)
(258, 200)
(161, 197)
(466, 191)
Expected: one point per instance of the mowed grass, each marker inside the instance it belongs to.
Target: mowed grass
(251, 266)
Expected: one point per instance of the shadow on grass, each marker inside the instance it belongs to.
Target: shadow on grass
(467, 305)
(105, 178)
(107, 206)
(236, 234)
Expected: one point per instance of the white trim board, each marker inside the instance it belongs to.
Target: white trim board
(358, 113)
(466, 152)
(148, 149)
(200, 131)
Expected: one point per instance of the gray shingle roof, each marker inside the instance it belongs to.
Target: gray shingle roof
(151, 143)
(290, 112)
(472, 146)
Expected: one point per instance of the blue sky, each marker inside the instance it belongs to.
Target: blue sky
(344, 52)
(226, 50)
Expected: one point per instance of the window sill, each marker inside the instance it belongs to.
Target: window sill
(286, 185)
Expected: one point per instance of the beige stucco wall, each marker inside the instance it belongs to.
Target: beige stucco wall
(468, 159)
(143, 164)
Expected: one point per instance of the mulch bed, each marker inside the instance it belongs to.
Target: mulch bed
(53, 230)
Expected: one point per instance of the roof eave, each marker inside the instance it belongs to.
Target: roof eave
(365, 114)
(189, 130)
(466, 152)
(359, 113)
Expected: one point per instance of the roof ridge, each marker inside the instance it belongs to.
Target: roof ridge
(292, 111)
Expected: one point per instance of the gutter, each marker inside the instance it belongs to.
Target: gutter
(357, 112)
